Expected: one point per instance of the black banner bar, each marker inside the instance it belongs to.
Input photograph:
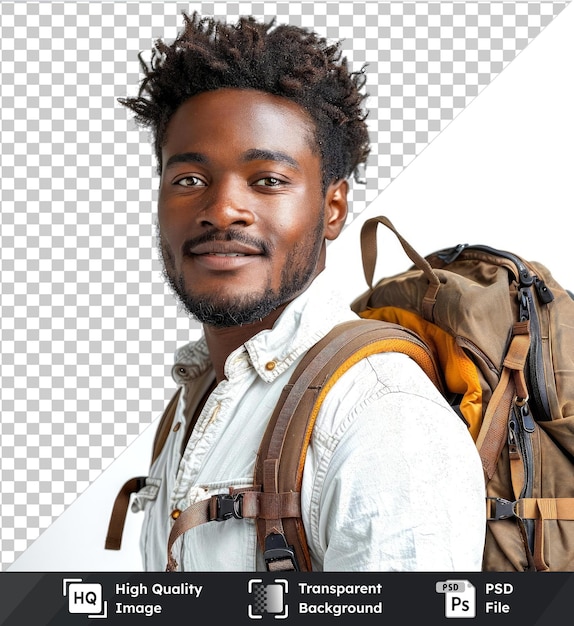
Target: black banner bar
(98, 599)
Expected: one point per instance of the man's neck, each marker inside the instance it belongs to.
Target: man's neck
(221, 342)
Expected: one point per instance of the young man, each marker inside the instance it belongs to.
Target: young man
(256, 130)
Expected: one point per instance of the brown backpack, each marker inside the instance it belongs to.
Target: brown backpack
(493, 332)
(511, 324)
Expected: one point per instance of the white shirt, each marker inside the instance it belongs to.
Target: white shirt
(392, 478)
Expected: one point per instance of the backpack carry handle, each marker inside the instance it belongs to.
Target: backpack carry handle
(369, 256)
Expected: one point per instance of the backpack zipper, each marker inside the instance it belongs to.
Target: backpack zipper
(520, 428)
(528, 282)
(535, 375)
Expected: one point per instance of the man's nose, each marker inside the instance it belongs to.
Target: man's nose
(226, 205)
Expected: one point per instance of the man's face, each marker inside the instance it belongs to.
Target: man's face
(241, 214)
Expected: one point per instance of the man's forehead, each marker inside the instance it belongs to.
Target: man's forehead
(274, 124)
(224, 98)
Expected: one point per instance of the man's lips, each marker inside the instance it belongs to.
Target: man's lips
(223, 249)
(217, 255)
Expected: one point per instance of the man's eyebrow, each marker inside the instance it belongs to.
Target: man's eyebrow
(258, 154)
(255, 154)
(186, 157)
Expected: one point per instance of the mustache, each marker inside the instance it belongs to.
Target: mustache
(228, 235)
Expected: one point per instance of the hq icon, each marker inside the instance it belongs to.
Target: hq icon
(85, 598)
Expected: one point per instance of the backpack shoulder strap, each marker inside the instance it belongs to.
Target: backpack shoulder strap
(281, 457)
(121, 503)
(164, 426)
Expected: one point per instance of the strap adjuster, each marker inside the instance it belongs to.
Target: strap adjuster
(500, 508)
(228, 506)
(277, 551)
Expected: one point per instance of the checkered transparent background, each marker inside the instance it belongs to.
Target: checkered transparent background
(88, 328)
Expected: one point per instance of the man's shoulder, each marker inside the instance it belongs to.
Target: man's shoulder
(382, 373)
(386, 382)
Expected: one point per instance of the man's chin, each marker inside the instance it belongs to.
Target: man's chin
(228, 314)
(224, 310)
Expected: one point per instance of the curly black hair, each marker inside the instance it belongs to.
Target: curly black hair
(283, 60)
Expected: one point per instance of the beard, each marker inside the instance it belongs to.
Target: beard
(218, 311)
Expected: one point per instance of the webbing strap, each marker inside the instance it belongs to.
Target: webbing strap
(194, 515)
(239, 504)
(492, 435)
(369, 257)
(537, 509)
(198, 513)
(164, 426)
(545, 508)
(531, 508)
(542, 509)
(119, 512)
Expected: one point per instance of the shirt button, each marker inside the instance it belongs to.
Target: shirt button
(177, 427)
(175, 514)
(270, 366)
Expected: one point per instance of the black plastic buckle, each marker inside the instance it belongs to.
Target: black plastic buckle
(228, 506)
(276, 549)
(501, 509)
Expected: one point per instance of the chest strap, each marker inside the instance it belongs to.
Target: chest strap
(249, 503)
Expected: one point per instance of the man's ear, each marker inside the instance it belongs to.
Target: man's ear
(336, 206)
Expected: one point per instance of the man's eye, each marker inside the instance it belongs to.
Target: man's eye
(269, 181)
(190, 181)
